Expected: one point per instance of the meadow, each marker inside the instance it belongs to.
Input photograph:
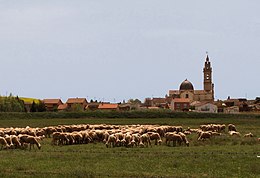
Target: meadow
(223, 156)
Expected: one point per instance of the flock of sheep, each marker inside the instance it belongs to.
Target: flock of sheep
(111, 135)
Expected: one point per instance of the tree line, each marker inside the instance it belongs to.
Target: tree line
(15, 104)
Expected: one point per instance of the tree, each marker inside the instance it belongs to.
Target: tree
(76, 108)
(134, 101)
(41, 107)
(11, 104)
(33, 107)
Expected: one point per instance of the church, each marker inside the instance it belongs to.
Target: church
(187, 91)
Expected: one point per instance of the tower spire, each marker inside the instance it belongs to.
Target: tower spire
(207, 70)
(207, 58)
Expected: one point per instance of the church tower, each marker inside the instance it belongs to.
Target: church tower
(208, 86)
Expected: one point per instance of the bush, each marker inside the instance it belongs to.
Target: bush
(121, 114)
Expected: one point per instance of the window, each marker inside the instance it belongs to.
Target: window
(187, 95)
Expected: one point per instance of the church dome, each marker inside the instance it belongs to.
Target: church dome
(186, 85)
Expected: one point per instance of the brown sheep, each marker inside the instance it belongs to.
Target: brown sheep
(232, 127)
(222, 128)
(2, 133)
(49, 131)
(9, 141)
(204, 135)
(174, 137)
(184, 138)
(128, 139)
(145, 140)
(55, 138)
(135, 139)
(86, 138)
(3, 143)
(111, 141)
(187, 132)
(70, 138)
(156, 137)
(119, 139)
(31, 140)
(62, 139)
(16, 141)
(78, 137)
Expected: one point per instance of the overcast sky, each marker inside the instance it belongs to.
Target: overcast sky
(113, 50)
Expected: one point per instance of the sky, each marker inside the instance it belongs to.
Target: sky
(120, 49)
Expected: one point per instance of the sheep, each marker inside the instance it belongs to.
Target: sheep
(119, 139)
(128, 139)
(49, 131)
(145, 140)
(71, 139)
(8, 138)
(156, 137)
(222, 128)
(111, 141)
(234, 133)
(4, 143)
(215, 133)
(55, 138)
(232, 127)
(31, 140)
(63, 139)
(184, 138)
(16, 141)
(2, 133)
(106, 135)
(135, 139)
(93, 135)
(249, 135)
(77, 137)
(204, 135)
(174, 137)
(85, 137)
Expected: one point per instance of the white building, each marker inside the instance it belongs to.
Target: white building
(206, 107)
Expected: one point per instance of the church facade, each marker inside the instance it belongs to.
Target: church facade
(186, 89)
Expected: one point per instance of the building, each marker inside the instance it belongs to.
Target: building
(180, 104)
(92, 106)
(63, 107)
(206, 108)
(108, 107)
(52, 104)
(231, 110)
(82, 102)
(186, 89)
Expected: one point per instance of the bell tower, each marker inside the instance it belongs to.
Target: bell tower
(207, 70)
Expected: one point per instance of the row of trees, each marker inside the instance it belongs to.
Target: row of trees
(11, 104)
(15, 104)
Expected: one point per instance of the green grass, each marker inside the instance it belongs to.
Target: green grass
(219, 157)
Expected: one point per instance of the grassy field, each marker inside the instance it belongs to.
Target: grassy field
(219, 157)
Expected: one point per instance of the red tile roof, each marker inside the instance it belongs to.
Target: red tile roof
(108, 106)
(76, 100)
(51, 101)
(62, 106)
